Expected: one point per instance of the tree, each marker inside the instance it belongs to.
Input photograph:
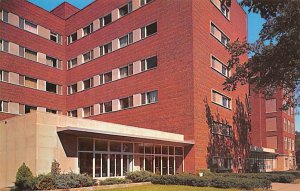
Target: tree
(275, 63)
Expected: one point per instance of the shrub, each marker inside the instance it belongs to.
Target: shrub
(24, 177)
(111, 181)
(282, 178)
(192, 180)
(72, 180)
(140, 176)
(55, 170)
(44, 182)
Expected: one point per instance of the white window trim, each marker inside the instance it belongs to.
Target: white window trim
(219, 8)
(212, 23)
(228, 71)
(214, 90)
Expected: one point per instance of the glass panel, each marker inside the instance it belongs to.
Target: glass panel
(157, 165)
(151, 62)
(85, 144)
(164, 165)
(112, 165)
(151, 29)
(157, 149)
(149, 148)
(178, 164)
(165, 150)
(127, 164)
(123, 41)
(178, 151)
(171, 150)
(107, 106)
(115, 146)
(86, 163)
(97, 165)
(118, 165)
(101, 145)
(128, 147)
(171, 165)
(149, 163)
(104, 165)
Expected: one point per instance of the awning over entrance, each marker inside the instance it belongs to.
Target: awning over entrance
(263, 150)
(125, 133)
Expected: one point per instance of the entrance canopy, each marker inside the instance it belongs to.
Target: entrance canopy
(105, 130)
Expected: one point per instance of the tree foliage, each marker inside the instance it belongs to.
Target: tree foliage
(275, 61)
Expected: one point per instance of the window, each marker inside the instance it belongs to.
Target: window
(55, 37)
(221, 129)
(148, 30)
(88, 111)
(105, 49)
(144, 2)
(149, 63)
(107, 77)
(51, 87)
(31, 55)
(72, 63)
(87, 84)
(21, 109)
(105, 20)
(270, 105)
(285, 143)
(149, 97)
(125, 9)
(125, 40)
(29, 108)
(219, 67)
(72, 113)
(5, 16)
(225, 11)
(4, 45)
(30, 82)
(3, 76)
(288, 126)
(3, 106)
(126, 102)
(126, 71)
(21, 80)
(53, 62)
(221, 99)
(106, 107)
(28, 26)
(88, 56)
(88, 29)
(72, 89)
(51, 111)
(72, 38)
(218, 34)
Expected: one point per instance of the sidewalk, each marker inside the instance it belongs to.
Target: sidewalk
(285, 187)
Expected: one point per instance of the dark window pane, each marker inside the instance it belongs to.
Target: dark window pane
(85, 144)
(86, 163)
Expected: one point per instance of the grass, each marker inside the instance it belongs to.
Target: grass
(169, 188)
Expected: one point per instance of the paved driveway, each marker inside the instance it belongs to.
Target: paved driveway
(285, 187)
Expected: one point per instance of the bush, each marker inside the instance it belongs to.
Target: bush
(55, 170)
(24, 178)
(44, 182)
(192, 180)
(282, 178)
(111, 181)
(140, 176)
(72, 180)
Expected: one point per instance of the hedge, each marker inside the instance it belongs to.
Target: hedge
(192, 180)
(273, 177)
(111, 181)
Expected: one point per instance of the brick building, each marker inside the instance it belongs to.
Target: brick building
(272, 128)
(116, 68)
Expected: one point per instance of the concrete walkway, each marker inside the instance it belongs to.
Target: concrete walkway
(285, 187)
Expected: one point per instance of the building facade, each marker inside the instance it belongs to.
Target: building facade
(273, 127)
(153, 64)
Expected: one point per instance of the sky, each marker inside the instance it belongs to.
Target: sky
(255, 23)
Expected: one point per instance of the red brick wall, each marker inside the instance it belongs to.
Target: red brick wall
(183, 78)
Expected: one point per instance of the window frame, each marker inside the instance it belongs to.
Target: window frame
(71, 36)
(103, 19)
(129, 40)
(87, 29)
(144, 30)
(223, 34)
(228, 72)
(229, 99)
(129, 9)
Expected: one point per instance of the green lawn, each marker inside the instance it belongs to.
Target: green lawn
(169, 188)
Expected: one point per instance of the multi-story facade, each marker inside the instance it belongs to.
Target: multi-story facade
(157, 65)
(273, 128)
